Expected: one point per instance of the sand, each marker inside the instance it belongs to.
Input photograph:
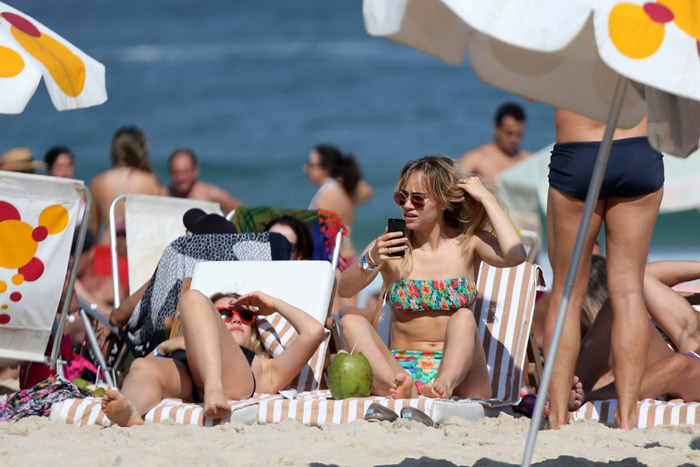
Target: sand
(485, 442)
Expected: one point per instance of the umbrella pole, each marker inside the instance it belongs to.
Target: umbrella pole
(591, 199)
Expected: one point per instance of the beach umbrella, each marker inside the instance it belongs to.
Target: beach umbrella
(606, 59)
(30, 50)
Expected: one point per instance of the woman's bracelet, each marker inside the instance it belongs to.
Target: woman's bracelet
(157, 353)
(372, 263)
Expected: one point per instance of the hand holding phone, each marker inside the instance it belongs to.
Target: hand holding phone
(397, 225)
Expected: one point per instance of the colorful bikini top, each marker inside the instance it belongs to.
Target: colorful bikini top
(420, 295)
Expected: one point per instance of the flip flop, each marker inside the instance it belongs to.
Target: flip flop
(379, 413)
(411, 413)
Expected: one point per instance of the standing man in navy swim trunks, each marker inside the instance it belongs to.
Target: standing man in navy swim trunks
(629, 204)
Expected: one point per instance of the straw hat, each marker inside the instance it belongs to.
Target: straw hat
(20, 160)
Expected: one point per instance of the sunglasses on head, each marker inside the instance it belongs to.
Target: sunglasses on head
(417, 199)
(227, 314)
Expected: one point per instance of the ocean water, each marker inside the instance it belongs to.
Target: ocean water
(253, 86)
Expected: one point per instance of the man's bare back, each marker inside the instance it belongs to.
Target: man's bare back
(574, 128)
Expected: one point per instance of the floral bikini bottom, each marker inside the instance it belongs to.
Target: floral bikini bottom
(422, 365)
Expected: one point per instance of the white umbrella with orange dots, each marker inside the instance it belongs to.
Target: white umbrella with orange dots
(30, 50)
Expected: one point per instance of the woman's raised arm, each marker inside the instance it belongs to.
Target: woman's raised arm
(281, 370)
(505, 248)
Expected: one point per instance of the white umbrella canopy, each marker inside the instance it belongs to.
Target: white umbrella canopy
(30, 50)
(568, 54)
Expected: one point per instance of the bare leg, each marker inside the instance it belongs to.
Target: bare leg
(463, 370)
(628, 225)
(604, 388)
(389, 377)
(678, 376)
(563, 220)
(149, 381)
(219, 368)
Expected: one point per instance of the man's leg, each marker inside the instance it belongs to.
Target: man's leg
(563, 220)
(628, 226)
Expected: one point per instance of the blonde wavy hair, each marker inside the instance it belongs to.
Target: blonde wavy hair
(255, 342)
(597, 293)
(439, 175)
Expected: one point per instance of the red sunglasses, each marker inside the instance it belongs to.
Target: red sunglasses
(227, 314)
(417, 199)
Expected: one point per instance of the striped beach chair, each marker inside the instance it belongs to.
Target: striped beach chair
(307, 285)
(503, 310)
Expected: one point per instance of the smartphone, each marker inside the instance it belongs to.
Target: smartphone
(397, 225)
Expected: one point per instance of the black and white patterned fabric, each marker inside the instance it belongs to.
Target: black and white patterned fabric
(178, 261)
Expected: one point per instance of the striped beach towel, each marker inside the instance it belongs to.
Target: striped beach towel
(651, 412)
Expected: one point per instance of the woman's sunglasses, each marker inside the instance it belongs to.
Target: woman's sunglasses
(227, 314)
(417, 199)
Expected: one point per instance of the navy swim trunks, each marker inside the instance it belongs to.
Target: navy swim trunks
(634, 168)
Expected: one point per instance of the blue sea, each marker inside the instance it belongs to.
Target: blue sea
(253, 86)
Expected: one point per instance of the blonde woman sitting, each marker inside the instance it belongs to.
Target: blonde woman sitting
(453, 224)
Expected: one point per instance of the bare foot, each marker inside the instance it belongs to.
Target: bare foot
(576, 398)
(215, 405)
(403, 387)
(119, 409)
(436, 390)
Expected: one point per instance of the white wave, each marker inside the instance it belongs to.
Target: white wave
(153, 53)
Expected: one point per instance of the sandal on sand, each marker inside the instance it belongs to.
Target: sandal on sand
(379, 413)
(411, 413)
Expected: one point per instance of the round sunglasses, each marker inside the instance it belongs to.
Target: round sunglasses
(417, 199)
(227, 314)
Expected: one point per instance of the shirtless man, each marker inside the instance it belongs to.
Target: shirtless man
(492, 158)
(667, 373)
(130, 173)
(628, 204)
(184, 172)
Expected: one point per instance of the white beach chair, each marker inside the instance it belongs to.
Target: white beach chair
(152, 222)
(37, 222)
(307, 285)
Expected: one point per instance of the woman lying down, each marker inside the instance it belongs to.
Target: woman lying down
(219, 357)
